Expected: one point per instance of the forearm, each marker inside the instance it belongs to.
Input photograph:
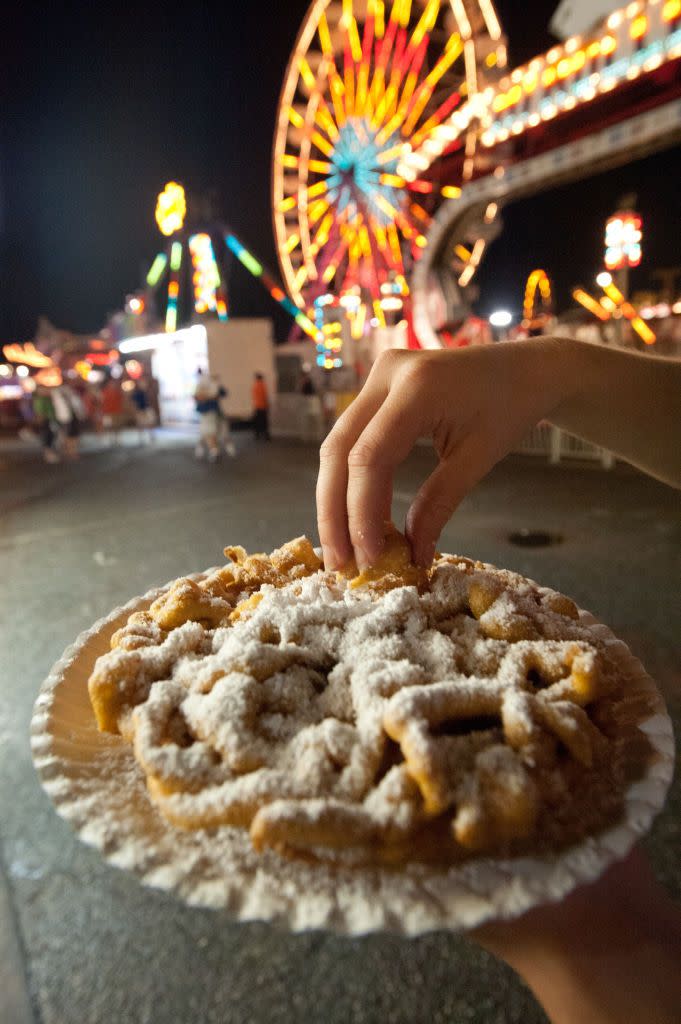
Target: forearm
(629, 975)
(608, 954)
(626, 402)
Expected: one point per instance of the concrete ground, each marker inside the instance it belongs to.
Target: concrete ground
(80, 941)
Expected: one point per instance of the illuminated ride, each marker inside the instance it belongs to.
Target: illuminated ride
(367, 84)
(208, 288)
(537, 302)
(599, 99)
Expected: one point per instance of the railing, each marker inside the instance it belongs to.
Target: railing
(550, 442)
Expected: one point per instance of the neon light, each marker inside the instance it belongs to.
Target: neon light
(538, 280)
(639, 27)
(644, 332)
(171, 207)
(590, 303)
(156, 269)
(623, 240)
(206, 277)
(242, 254)
(176, 256)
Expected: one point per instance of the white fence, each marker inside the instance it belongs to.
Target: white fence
(555, 445)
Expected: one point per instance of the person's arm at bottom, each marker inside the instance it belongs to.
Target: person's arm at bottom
(610, 953)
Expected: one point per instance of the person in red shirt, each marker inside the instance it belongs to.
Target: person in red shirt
(112, 408)
(260, 402)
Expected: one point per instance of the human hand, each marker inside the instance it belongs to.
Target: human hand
(474, 403)
(607, 953)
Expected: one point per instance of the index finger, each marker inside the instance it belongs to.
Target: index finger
(332, 481)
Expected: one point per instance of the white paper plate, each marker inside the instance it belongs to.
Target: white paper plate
(97, 786)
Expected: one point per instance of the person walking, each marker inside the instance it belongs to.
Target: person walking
(69, 413)
(112, 409)
(145, 417)
(207, 395)
(260, 402)
(43, 411)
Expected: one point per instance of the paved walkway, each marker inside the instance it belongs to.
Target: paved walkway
(80, 941)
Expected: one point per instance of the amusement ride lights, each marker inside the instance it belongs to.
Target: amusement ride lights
(209, 294)
(538, 281)
(632, 41)
(367, 83)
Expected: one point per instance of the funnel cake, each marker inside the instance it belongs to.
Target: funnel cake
(391, 716)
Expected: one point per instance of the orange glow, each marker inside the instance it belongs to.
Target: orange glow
(27, 354)
(450, 191)
(277, 294)
(173, 289)
(590, 303)
(49, 377)
(538, 279)
(671, 10)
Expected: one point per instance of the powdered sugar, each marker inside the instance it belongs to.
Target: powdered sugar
(102, 794)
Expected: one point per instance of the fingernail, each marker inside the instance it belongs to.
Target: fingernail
(336, 558)
(332, 560)
(362, 558)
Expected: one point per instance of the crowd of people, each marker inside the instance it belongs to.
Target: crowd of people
(58, 414)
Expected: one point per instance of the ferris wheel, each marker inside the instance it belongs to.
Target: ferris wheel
(368, 83)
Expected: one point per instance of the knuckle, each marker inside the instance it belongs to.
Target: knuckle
(364, 455)
(332, 446)
(416, 373)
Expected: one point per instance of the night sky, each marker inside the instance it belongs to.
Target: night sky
(101, 109)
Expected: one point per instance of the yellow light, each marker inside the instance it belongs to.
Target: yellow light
(549, 76)
(324, 36)
(306, 73)
(671, 10)
(530, 83)
(421, 241)
(287, 204)
(295, 117)
(450, 192)
(590, 303)
(608, 45)
(638, 27)
(319, 166)
(318, 189)
(613, 293)
(593, 49)
(321, 143)
(288, 160)
(291, 242)
(462, 252)
(171, 207)
(392, 179)
(491, 59)
(644, 332)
